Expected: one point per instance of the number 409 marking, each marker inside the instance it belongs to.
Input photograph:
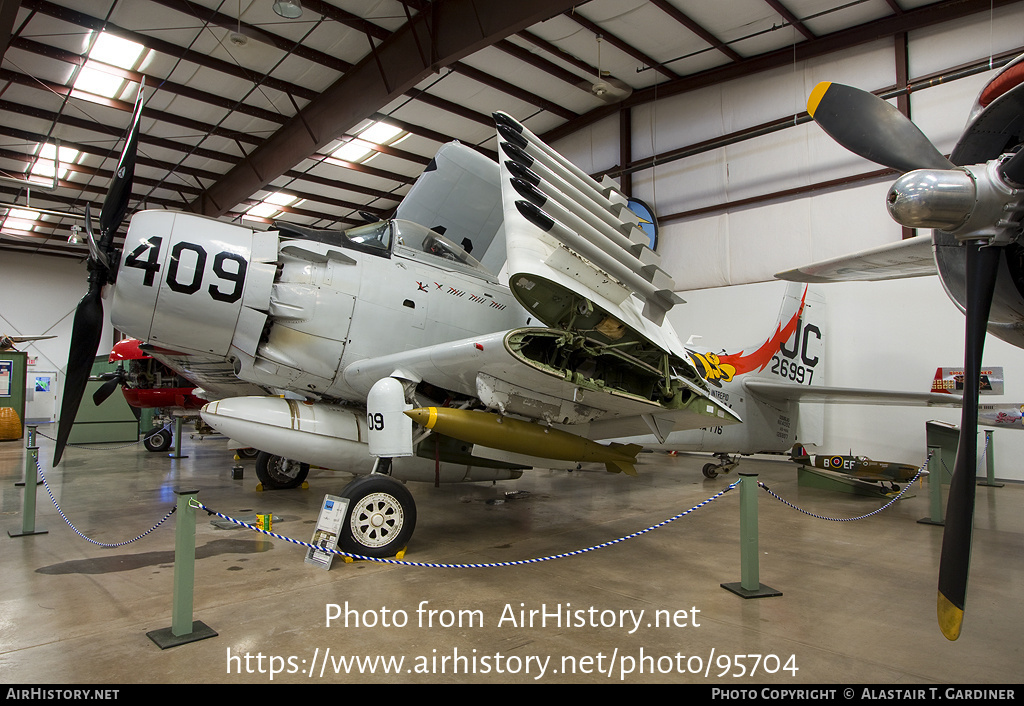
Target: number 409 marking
(146, 257)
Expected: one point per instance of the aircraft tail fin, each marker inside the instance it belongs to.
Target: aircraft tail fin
(799, 453)
(794, 349)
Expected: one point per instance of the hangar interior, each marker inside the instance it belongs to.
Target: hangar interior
(253, 118)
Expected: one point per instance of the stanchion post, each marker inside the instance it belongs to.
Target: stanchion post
(183, 628)
(750, 585)
(28, 510)
(990, 462)
(934, 488)
(177, 439)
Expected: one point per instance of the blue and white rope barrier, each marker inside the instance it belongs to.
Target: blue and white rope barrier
(46, 485)
(198, 505)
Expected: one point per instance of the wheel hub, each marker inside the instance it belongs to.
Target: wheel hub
(377, 520)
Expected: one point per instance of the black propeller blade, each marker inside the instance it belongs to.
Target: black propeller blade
(112, 381)
(88, 323)
(982, 263)
(872, 128)
(85, 339)
(1013, 168)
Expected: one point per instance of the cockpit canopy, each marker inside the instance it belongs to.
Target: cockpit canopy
(422, 239)
(385, 237)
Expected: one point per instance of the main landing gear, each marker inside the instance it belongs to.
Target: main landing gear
(381, 510)
(381, 516)
(279, 473)
(725, 464)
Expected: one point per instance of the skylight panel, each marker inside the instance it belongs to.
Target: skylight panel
(98, 82)
(20, 220)
(262, 210)
(270, 206)
(354, 150)
(360, 149)
(280, 199)
(23, 214)
(116, 51)
(47, 165)
(96, 77)
(380, 133)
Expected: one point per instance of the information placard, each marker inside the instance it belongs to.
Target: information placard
(328, 528)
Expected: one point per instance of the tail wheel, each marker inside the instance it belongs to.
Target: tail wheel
(381, 517)
(278, 473)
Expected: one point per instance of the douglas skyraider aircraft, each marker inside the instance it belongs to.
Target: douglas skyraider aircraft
(400, 356)
(360, 327)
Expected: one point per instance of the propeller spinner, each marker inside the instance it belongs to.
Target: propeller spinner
(88, 323)
(980, 205)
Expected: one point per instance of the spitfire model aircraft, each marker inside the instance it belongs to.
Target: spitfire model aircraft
(974, 201)
(859, 467)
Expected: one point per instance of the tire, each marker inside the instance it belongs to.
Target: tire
(277, 473)
(709, 470)
(247, 453)
(156, 441)
(381, 517)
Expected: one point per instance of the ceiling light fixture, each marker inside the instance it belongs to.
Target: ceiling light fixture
(289, 9)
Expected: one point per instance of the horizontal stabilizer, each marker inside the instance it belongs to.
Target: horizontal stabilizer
(848, 395)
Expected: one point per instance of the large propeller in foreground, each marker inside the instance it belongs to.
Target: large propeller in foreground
(980, 206)
(102, 264)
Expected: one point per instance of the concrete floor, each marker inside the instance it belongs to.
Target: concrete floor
(858, 603)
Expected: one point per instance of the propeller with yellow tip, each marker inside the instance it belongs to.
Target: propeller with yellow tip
(874, 129)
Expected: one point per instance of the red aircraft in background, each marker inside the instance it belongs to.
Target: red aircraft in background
(149, 384)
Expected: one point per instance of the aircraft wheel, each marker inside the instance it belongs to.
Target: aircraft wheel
(277, 473)
(709, 470)
(159, 440)
(381, 517)
(247, 453)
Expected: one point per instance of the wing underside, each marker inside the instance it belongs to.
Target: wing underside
(913, 257)
(531, 373)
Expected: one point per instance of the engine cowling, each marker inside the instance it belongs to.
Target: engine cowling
(201, 295)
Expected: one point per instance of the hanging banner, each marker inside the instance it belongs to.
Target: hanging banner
(951, 381)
